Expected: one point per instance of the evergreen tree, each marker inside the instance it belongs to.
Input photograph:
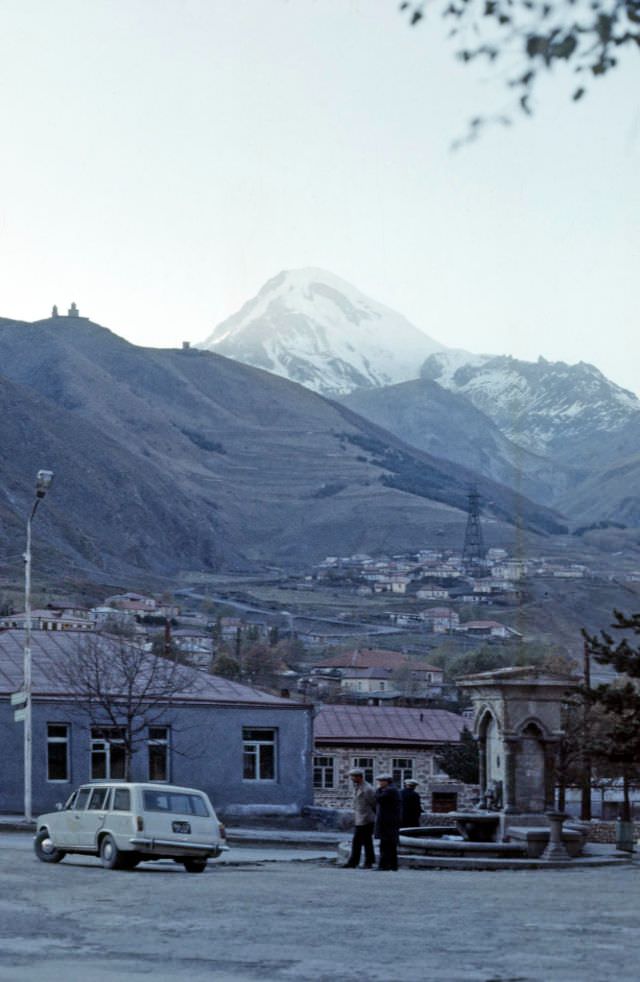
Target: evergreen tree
(461, 760)
(618, 741)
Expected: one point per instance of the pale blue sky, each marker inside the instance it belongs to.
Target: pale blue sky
(162, 158)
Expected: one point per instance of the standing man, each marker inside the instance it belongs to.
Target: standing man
(364, 813)
(388, 814)
(411, 805)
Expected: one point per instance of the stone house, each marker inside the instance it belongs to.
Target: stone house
(385, 738)
(248, 750)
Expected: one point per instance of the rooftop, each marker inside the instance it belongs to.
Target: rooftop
(386, 724)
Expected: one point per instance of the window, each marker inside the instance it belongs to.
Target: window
(366, 764)
(259, 754)
(323, 772)
(57, 752)
(177, 802)
(82, 798)
(444, 801)
(402, 769)
(99, 799)
(158, 744)
(121, 800)
(107, 753)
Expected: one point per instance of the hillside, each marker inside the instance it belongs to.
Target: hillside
(168, 460)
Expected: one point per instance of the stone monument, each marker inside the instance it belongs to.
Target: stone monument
(517, 723)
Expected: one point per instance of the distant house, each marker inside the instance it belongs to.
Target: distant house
(248, 750)
(385, 738)
(50, 619)
(441, 620)
(488, 629)
(134, 602)
(374, 671)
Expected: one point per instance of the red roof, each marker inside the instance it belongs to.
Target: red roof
(385, 725)
(374, 658)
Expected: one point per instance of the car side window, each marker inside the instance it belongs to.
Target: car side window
(82, 798)
(121, 800)
(70, 802)
(98, 799)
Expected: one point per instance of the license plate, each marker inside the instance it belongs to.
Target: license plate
(182, 828)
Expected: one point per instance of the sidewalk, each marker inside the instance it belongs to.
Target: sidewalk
(292, 838)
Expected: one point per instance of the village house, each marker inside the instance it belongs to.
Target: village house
(488, 629)
(440, 620)
(374, 673)
(386, 738)
(50, 619)
(248, 750)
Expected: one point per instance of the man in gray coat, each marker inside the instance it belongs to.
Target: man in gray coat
(364, 814)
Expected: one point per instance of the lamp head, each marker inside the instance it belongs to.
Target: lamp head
(43, 482)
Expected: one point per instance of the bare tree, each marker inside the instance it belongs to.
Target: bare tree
(118, 684)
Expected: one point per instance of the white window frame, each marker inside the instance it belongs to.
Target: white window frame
(367, 764)
(402, 769)
(325, 766)
(165, 742)
(252, 747)
(66, 740)
(103, 744)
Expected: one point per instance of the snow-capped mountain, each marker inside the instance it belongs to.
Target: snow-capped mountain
(547, 407)
(312, 327)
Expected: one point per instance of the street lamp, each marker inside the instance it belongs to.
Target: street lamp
(43, 483)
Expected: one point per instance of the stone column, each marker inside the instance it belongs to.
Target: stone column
(556, 848)
(510, 748)
(482, 764)
(549, 775)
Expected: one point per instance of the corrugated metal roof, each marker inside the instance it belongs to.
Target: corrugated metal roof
(386, 724)
(49, 649)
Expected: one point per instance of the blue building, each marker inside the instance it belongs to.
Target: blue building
(248, 750)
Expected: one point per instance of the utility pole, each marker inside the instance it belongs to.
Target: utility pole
(585, 804)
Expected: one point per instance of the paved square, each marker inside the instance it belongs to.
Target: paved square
(291, 920)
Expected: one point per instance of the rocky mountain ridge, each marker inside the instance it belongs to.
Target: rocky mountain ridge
(170, 460)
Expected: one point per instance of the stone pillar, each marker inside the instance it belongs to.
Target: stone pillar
(482, 765)
(549, 775)
(556, 848)
(510, 752)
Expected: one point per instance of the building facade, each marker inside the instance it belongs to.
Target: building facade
(248, 750)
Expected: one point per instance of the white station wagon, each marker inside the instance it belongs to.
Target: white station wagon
(125, 824)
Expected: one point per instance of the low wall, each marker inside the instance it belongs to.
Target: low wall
(599, 831)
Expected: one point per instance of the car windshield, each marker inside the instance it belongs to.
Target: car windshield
(177, 802)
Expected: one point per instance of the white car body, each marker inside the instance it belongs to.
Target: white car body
(126, 823)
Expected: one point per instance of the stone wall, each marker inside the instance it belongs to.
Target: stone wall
(605, 832)
(340, 796)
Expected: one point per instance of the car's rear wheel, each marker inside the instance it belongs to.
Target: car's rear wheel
(110, 855)
(194, 865)
(45, 849)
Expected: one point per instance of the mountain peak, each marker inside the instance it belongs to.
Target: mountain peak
(315, 328)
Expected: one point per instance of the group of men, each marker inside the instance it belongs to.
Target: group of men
(381, 813)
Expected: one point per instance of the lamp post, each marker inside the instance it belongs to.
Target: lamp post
(43, 483)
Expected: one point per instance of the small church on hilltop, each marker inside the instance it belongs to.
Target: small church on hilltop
(72, 311)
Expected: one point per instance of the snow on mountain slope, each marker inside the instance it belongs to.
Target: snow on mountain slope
(312, 327)
(547, 407)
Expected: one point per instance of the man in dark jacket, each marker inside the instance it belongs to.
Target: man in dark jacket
(388, 814)
(411, 805)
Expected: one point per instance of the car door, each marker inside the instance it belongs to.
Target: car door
(93, 817)
(67, 833)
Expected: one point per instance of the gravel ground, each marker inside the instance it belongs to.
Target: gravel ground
(278, 914)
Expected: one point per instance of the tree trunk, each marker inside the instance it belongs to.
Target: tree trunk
(626, 803)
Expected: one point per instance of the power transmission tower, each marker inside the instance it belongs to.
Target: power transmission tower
(473, 552)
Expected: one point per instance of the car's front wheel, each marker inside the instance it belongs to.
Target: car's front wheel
(45, 849)
(195, 865)
(110, 855)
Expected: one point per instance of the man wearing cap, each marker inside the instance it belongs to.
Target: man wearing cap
(388, 814)
(411, 805)
(364, 813)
